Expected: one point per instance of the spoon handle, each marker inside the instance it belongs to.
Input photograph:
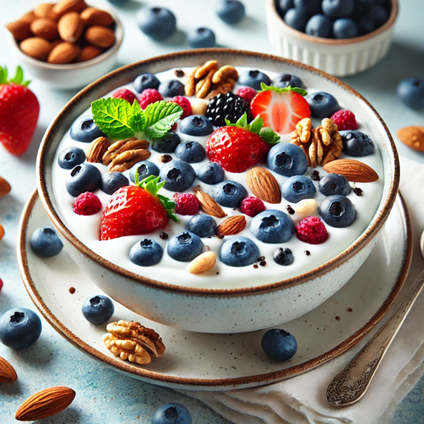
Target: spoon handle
(351, 384)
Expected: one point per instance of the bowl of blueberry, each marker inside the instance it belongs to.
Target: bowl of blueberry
(341, 37)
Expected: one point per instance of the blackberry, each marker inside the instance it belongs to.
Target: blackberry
(227, 106)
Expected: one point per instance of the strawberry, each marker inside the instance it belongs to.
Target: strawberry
(135, 210)
(19, 110)
(280, 108)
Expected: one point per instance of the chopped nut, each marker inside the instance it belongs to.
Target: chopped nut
(223, 73)
(204, 70)
(123, 146)
(97, 149)
(190, 86)
(203, 86)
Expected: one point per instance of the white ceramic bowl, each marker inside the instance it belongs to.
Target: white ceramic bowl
(72, 75)
(337, 57)
(220, 310)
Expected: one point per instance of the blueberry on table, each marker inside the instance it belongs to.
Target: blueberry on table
(229, 193)
(322, 104)
(356, 143)
(337, 211)
(283, 256)
(253, 78)
(287, 159)
(319, 26)
(45, 242)
(191, 152)
(285, 80)
(82, 178)
(112, 181)
(296, 18)
(144, 169)
(335, 9)
(345, 28)
(172, 413)
(98, 309)
(184, 247)
(202, 225)
(238, 252)
(146, 253)
(313, 7)
(145, 81)
(157, 23)
(171, 88)
(71, 157)
(201, 37)
(196, 125)
(333, 184)
(167, 143)
(19, 328)
(279, 344)
(297, 188)
(178, 175)
(411, 92)
(231, 11)
(272, 226)
(85, 130)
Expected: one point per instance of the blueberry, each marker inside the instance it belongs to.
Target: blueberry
(411, 92)
(144, 169)
(279, 344)
(333, 184)
(85, 130)
(272, 226)
(184, 247)
(191, 152)
(322, 104)
(313, 7)
(319, 26)
(337, 211)
(157, 23)
(361, 8)
(366, 25)
(172, 413)
(202, 225)
(71, 157)
(19, 328)
(84, 177)
(356, 143)
(379, 15)
(98, 309)
(179, 175)
(146, 253)
(171, 88)
(239, 251)
(297, 188)
(45, 242)
(196, 125)
(296, 18)
(285, 80)
(229, 193)
(201, 37)
(231, 11)
(211, 173)
(345, 28)
(167, 143)
(335, 9)
(145, 81)
(287, 159)
(283, 257)
(285, 5)
(112, 181)
(253, 78)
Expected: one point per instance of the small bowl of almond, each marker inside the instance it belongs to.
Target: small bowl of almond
(67, 44)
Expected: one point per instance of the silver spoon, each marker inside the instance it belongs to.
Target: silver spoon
(351, 384)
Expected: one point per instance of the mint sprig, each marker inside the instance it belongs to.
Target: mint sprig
(298, 90)
(118, 119)
(152, 185)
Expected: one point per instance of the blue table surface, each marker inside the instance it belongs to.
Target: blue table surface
(102, 394)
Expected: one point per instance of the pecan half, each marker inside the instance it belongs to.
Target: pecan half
(127, 160)
(123, 146)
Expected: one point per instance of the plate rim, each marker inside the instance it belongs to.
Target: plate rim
(195, 383)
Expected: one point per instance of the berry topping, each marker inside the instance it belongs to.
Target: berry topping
(84, 177)
(345, 120)
(322, 104)
(71, 157)
(297, 188)
(229, 193)
(196, 125)
(357, 144)
(239, 251)
(254, 79)
(333, 184)
(186, 204)
(202, 225)
(272, 226)
(286, 80)
(1, 284)
(283, 256)
(125, 94)
(177, 175)
(85, 130)
(144, 81)
(225, 107)
(112, 181)
(211, 173)
(246, 93)
(166, 143)
(149, 96)
(287, 159)
(184, 247)
(337, 211)
(184, 103)
(311, 230)
(191, 152)
(171, 88)
(251, 206)
(279, 344)
(144, 169)
(146, 253)
(87, 204)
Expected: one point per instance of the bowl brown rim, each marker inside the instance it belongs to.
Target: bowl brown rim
(332, 41)
(359, 243)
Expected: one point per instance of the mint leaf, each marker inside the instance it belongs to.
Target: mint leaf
(298, 90)
(160, 117)
(269, 136)
(137, 120)
(256, 125)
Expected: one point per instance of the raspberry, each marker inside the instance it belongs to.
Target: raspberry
(87, 204)
(246, 93)
(311, 230)
(345, 120)
(251, 206)
(186, 204)
(184, 103)
(1, 284)
(125, 94)
(149, 96)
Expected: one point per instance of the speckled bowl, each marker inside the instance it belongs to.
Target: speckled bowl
(220, 310)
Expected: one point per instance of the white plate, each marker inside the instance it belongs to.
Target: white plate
(195, 361)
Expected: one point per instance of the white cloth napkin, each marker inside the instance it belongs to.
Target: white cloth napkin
(303, 399)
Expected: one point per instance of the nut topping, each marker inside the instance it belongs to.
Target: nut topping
(203, 263)
(97, 149)
(4, 187)
(231, 226)
(122, 146)
(208, 205)
(128, 159)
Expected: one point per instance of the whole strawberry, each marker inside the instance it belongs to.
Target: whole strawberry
(19, 110)
(136, 210)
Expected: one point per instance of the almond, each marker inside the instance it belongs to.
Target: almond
(7, 372)
(353, 170)
(19, 29)
(70, 27)
(36, 47)
(4, 187)
(28, 17)
(66, 6)
(97, 149)
(93, 16)
(64, 53)
(44, 10)
(88, 53)
(306, 207)
(203, 263)
(232, 225)
(44, 28)
(46, 403)
(208, 205)
(99, 36)
(413, 137)
(263, 185)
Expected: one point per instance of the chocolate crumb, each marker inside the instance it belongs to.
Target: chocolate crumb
(315, 176)
(307, 252)
(72, 290)
(217, 272)
(220, 236)
(179, 73)
(164, 236)
(338, 318)
(290, 210)
(165, 158)
(357, 191)
(256, 266)
(349, 309)
(262, 263)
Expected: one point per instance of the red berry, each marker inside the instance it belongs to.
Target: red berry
(149, 96)
(251, 206)
(311, 230)
(124, 93)
(184, 103)
(246, 93)
(345, 120)
(87, 204)
(1, 284)
(186, 204)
